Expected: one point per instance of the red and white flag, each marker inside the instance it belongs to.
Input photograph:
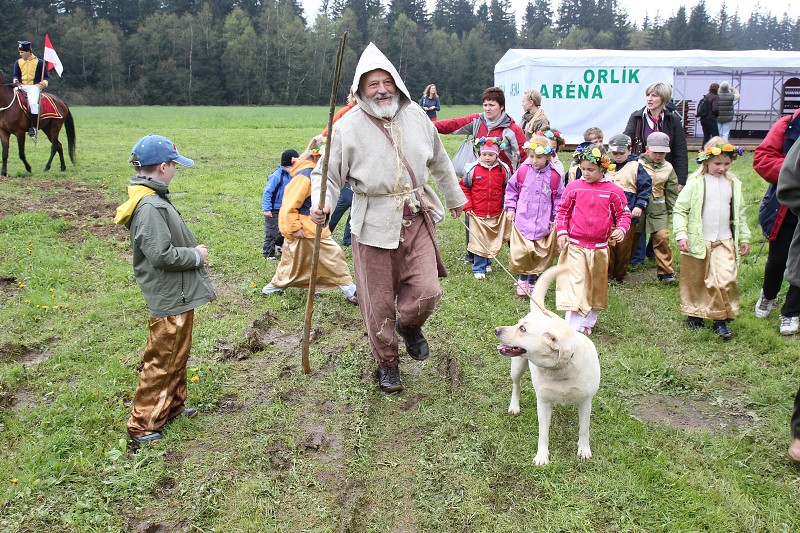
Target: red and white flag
(53, 62)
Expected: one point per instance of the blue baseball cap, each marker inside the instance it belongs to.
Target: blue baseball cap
(154, 149)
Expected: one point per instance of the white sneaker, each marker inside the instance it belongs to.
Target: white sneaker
(488, 268)
(480, 275)
(269, 288)
(789, 324)
(764, 306)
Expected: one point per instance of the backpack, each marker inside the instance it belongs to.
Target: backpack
(703, 108)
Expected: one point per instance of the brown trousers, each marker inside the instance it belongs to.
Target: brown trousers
(619, 254)
(662, 252)
(400, 285)
(162, 391)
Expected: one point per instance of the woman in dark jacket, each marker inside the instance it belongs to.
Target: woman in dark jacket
(709, 122)
(430, 101)
(654, 117)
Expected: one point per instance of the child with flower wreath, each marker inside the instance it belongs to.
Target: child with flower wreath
(593, 209)
(710, 226)
(484, 183)
(532, 194)
(591, 136)
(556, 142)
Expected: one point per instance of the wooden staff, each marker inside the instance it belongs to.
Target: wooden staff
(312, 284)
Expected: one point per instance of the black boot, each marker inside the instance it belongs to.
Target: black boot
(695, 322)
(389, 379)
(34, 120)
(721, 329)
(416, 345)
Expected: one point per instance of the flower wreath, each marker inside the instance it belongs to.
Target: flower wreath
(593, 154)
(553, 134)
(720, 149)
(538, 148)
(480, 141)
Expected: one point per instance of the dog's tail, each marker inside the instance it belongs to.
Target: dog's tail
(542, 284)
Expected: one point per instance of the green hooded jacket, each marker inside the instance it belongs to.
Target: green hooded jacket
(166, 264)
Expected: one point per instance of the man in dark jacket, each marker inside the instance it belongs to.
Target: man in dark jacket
(709, 121)
(728, 96)
(789, 195)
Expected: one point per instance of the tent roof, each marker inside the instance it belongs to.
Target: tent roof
(696, 59)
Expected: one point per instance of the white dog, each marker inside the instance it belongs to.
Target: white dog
(563, 363)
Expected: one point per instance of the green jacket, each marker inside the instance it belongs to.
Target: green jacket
(167, 266)
(688, 210)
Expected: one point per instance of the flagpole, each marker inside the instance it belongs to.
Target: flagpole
(39, 101)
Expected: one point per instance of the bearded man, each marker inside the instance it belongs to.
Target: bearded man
(385, 148)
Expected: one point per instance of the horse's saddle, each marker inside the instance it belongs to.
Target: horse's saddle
(47, 108)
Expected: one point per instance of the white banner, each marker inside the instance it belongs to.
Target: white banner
(577, 98)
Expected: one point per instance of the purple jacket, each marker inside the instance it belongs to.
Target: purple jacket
(534, 195)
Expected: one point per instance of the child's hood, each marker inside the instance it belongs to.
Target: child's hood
(138, 188)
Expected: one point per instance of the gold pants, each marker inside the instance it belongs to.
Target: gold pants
(708, 286)
(662, 252)
(531, 257)
(162, 392)
(294, 268)
(587, 286)
(619, 253)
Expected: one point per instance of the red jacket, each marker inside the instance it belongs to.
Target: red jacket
(484, 189)
(768, 160)
(452, 125)
(589, 211)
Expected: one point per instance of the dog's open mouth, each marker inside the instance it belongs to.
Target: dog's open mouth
(510, 351)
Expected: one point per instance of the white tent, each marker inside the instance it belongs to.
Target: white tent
(583, 88)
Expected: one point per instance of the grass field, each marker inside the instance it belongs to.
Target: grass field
(689, 433)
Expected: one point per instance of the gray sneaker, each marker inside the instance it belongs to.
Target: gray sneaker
(789, 324)
(764, 306)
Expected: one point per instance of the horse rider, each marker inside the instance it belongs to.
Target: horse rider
(31, 77)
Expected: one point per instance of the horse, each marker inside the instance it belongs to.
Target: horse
(14, 121)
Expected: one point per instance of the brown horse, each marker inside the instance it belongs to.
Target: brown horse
(14, 121)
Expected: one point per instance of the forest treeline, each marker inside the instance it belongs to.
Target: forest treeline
(259, 52)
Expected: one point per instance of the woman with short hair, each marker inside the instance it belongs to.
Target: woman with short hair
(657, 116)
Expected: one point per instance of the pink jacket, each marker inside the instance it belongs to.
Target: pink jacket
(588, 212)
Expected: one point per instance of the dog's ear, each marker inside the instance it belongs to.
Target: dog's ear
(552, 341)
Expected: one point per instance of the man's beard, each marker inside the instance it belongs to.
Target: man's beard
(383, 110)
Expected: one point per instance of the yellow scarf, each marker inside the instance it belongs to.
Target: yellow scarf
(135, 194)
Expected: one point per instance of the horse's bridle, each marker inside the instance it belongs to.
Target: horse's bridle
(13, 97)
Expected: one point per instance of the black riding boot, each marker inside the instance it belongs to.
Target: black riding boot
(34, 120)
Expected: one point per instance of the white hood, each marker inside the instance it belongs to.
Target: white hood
(372, 58)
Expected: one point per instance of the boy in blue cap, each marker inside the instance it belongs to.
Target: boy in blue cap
(169, 266)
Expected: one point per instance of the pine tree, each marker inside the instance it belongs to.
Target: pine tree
(678, 28)
(700, 29)
(454, 16)
(500, 25)
(413, 9)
